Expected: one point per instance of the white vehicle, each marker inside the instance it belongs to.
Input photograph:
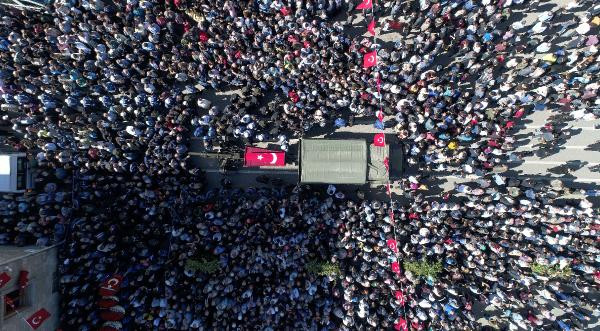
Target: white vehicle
(15, 173)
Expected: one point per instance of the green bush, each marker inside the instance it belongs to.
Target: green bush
(550, 271)
(203, 265)
(323, 268)
(423, 268)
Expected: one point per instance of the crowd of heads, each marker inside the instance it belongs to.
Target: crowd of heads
(105, 97)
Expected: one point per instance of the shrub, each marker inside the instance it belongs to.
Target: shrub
(423, 268)
(550, 271)
(323, 268)
(203, 265)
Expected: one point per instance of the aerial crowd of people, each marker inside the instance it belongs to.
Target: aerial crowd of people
(105, 98)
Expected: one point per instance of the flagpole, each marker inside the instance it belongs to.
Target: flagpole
(17, 312)
(388, 187)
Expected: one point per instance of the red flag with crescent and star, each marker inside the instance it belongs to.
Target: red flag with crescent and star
(23, 278)
(370, 59)
(396, 267)
(393, 245)
(371, 28)
(365, 4)
(379, 140)
(401, 325)
(38, 318)
(380, 115)
(9, 301)
(259, 157)
(4, 279)
(399, 297)
(111, 286)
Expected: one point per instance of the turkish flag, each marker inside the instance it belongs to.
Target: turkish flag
(370, 59)
(38, 318)
(519, 113)
(294, 96)
(203, 36)
(284, 11)
(401, 325)
(107, 302)
(371, 27)
(115, 313)
(386, 163)
(400, 297)
(395, 25)
(396, 267)
(4, 279)
(111, 286)
(366, 4)
(379, 115)
(379, 140)
(393, 245)
(258, 157)
(23, 278)
(9, 301)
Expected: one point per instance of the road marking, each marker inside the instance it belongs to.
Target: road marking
(560, 147)
(529, 126)
(534, 162)
(568, 179)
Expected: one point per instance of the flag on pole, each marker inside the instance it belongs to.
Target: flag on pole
(365, 4)
(396, 267)
(399, 297)
(9, 301)
(379, 115)
(4, 279)
(393, 245)
(370, 59)
(257, 157)
(38, 318)
(203, 37)
(23, 278)
(111, 286)
(371, 27)
(379, 140)
(401, 325)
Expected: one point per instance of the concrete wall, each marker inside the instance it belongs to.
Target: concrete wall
(41, 292)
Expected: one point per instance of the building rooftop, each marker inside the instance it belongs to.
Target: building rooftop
(8, 253)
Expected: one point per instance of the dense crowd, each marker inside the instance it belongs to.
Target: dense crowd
(105, 97)
(263, 239)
